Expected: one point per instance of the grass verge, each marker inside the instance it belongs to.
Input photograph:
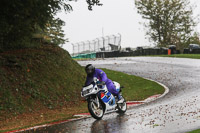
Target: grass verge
(195, 131)
(136, 88)
(192, 56)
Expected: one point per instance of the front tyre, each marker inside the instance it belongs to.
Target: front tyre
(122, 107)
(95, 111)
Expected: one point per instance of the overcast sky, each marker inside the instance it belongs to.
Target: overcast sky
(115, 16)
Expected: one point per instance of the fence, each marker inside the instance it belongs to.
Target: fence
(102, 44)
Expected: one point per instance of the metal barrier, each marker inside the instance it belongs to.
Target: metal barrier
(102, 44)
(83, 56)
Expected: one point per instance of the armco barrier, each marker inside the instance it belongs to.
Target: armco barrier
(191, 51)
(195, 51)
(140, 52)
(80, 56)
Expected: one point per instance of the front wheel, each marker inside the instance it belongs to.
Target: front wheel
(122, 107)
(96, 111)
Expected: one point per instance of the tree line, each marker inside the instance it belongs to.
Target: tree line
(27, 23)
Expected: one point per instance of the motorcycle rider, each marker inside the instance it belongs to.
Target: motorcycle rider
(92, 72)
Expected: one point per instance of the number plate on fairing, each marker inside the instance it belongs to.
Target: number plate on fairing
(87, 90)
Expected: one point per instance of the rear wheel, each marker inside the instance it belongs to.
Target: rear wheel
(95, 111)
(122, 107)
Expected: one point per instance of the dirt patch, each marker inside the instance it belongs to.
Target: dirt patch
(42, 116)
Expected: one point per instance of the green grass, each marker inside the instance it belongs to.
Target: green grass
(192, 56)
(195, 131)
(136, 88)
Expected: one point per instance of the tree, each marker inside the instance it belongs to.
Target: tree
(92, 3)
(51, 34)
(55, 31)
(194, 39)
(170, 22)
(20, 19)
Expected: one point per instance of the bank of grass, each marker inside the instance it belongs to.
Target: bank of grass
(195, 131)
(42, 85)
(38, 85)
(192, 56)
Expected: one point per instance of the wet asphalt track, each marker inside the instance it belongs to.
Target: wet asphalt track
(178, 111)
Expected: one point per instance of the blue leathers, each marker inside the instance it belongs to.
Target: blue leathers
(101, 75)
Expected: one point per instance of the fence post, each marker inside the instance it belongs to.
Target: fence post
(119, 44)
(98, 44)
(83, 47)
(108, 41)
(89, 45)
(114, 39)
(78, 48)
(103, 44)
(73, 49)
(94, 45)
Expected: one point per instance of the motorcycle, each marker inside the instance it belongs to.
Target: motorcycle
(101, 101)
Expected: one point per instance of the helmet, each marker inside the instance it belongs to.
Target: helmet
(89, 69)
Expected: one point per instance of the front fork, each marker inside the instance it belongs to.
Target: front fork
(95, 99)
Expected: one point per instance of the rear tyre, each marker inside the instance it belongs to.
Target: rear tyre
(122, 107)
(95, 111)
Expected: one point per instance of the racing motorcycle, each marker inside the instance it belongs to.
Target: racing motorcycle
(101, 101)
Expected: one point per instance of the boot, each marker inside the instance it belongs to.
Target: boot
(120, 99)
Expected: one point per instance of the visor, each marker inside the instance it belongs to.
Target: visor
(89, 71)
